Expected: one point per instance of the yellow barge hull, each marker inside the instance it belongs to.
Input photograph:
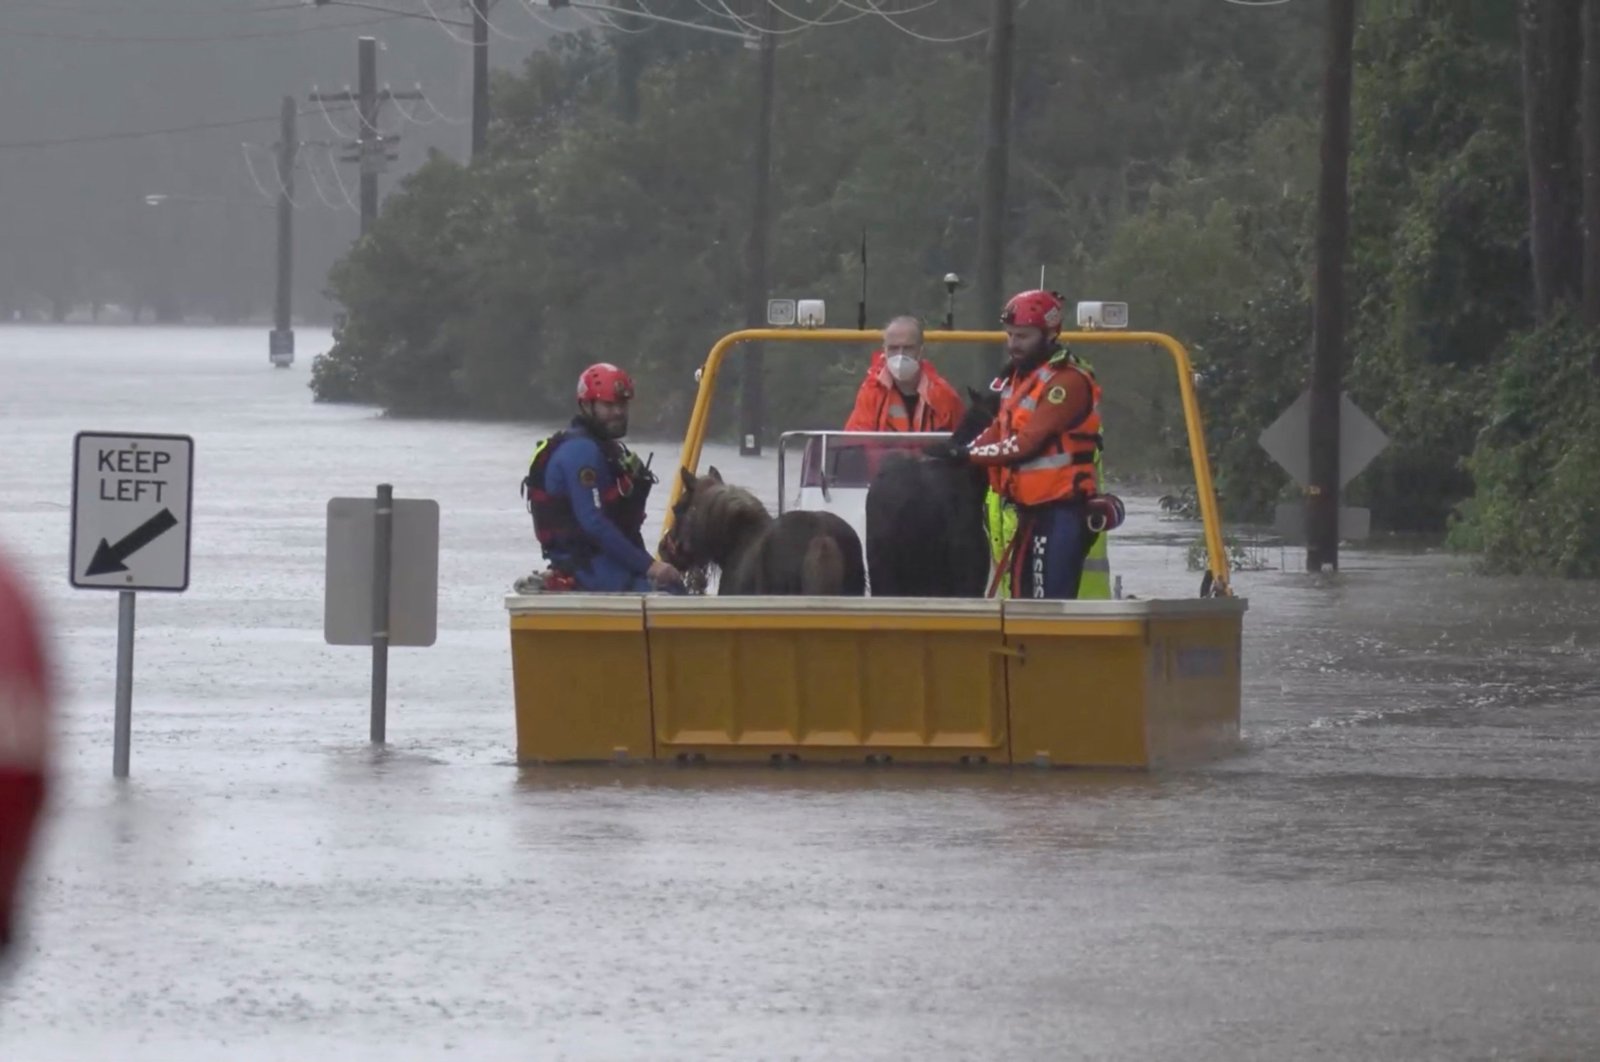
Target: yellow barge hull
(753, 680)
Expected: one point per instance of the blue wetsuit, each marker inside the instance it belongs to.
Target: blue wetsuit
(1053, 542)
(579, 473)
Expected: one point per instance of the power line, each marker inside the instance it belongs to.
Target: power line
(95, 38)
(99, 138)
(55, 7)
(864, 9)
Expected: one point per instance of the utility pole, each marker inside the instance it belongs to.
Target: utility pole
(1589, 140)
(280, 344)
(1327, 354)
(630, 64)
(996, 157)
(480, 75)
(480, 52)
(371, 146)
(367, 109)
(751, 411)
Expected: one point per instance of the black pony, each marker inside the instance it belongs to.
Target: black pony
(925, 532)
(801, 552)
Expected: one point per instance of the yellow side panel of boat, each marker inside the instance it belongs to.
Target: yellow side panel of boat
(1124, 683)
(581, 677)
(1077, 687)
(1131, 684)
(753, 681)
(1196, 688)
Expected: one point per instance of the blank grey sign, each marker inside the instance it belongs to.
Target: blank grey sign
(413, 572)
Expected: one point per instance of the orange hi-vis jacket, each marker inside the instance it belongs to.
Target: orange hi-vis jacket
(1042, 446)
(881, 407)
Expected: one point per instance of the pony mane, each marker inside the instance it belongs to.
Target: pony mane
(982, 408)
(721, 517)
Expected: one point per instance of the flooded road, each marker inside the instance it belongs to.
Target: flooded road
(1403, 861)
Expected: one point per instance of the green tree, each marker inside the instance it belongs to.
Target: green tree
(1537, 461)
(1165, 153)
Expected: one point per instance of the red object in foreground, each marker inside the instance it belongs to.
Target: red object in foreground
(559, 582)
(24, 737)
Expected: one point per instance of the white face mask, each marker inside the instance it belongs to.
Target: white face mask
(903, 367)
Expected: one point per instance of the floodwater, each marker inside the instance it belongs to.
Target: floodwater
(1403, 860)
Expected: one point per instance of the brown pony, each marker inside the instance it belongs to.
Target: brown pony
(801, 552)
(925, 518)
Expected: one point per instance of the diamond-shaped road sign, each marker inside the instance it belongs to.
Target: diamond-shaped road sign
(1287, 440)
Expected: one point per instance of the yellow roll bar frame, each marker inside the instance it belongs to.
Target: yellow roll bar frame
(1216, 555)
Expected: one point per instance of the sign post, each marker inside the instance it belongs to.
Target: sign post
(381, 584)
(122, 724)
(382, 551)
(132, 508)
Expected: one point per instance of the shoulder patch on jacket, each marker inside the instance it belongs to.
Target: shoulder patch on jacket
(587, 477)
(1057, 395)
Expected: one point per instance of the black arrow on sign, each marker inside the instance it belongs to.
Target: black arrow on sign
(108, 558)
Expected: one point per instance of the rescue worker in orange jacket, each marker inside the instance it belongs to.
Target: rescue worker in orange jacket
(903, 391)
(25, 696)
(1040, 452)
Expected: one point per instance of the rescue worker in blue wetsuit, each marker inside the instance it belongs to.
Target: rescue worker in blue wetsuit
(587, 493)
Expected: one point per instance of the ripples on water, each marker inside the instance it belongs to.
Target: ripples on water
(1400, 861)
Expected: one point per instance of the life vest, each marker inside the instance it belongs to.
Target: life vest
(1000, 521)
(556, 526)
(1066, 468)
(1095, 582)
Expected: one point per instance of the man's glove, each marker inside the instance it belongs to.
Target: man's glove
(947, 451)
(1104, 512)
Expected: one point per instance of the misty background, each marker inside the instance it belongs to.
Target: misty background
(82, 79)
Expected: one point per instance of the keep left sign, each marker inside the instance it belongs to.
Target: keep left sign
(132, 499)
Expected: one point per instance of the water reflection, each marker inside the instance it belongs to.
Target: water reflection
(1399, 862)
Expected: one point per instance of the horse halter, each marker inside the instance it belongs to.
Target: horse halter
(674, 547)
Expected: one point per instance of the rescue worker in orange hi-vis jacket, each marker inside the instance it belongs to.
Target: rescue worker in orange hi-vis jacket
(25, 695)
(903, 391)
(1041, 450)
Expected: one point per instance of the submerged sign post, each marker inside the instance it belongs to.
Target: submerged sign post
(381, 581)
(132, 500)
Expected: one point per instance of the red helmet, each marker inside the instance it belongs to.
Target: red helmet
(604, 382)
(1034, 309)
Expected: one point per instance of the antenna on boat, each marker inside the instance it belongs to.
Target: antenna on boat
(861, 309)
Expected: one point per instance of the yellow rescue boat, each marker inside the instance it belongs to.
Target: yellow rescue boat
(1107, 683)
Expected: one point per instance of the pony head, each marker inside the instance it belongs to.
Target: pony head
(688, 545)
